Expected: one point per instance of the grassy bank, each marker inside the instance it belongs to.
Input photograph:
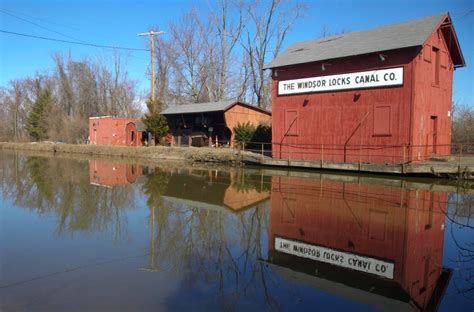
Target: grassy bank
(201, 154)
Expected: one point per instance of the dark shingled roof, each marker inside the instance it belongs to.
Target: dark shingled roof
(206, 107)
(402, 35)
(198, 108)
(139, 125)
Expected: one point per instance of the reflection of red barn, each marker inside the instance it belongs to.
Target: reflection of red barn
(392, 224)
(116, 131)
(105, 173)
(360, 96)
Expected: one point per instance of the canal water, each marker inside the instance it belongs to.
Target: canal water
(103, 235)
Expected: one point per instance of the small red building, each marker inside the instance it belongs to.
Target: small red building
(116, 131)
(379, 95)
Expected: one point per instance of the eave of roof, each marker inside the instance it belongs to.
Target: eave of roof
(208, 107)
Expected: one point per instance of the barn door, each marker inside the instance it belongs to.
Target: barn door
(434, 133)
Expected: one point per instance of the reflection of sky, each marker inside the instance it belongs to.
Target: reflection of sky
(30, 248)
(462, 235)
(110, 277)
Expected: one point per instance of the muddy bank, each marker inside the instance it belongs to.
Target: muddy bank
(199, 154)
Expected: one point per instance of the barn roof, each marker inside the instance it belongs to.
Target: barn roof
(396, 36)
(207, 107)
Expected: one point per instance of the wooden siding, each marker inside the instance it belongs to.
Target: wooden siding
(241, 114)
(334, 118)
(432, 99)
(385, 118)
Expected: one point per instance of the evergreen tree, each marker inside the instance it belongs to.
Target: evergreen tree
(244, 133)
(36, 123)
(154, 121)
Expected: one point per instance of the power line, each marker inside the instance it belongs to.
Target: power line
(38, 25)
(72, 42)
(39, 19)
(8, 12)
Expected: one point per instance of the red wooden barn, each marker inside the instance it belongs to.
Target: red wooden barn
(379, 95)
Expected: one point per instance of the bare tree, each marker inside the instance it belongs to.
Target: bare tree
(79, 88)
(269, 26)
(228, 33)
(463, 124)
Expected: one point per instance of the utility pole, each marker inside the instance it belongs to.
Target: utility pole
(152, 34)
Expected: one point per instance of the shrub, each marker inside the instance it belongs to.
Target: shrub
(244, 133)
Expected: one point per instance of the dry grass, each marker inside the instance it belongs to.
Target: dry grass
(203, 154)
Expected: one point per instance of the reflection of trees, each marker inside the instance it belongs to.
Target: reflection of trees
(61, 187)
(243, 181)
(216, 251)
(460, 213)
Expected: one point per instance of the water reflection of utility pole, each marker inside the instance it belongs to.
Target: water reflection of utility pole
(151, 248)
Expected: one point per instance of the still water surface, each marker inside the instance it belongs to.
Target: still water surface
(98, 235)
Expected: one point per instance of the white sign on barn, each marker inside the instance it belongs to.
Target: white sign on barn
(359, 80)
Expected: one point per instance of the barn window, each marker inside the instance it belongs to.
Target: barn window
(436, 66)
(382, 121)
(291, 122)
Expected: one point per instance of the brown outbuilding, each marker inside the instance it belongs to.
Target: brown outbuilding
(203, 124)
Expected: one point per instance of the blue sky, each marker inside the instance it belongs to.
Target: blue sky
(118, 22)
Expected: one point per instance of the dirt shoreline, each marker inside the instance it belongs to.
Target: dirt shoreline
(194, 154)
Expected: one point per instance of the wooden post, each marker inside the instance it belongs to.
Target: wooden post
(322, 154)
(403, 158)
(289, 154)
(360, 161)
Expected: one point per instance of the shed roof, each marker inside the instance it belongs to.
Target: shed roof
(207, 107)
(396, 36)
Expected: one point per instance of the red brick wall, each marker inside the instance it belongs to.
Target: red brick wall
(108, 130)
